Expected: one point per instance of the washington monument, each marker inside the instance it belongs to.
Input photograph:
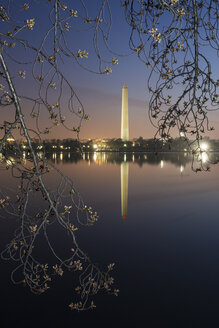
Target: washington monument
(125, 115)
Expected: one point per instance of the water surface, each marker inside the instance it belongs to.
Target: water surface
(158, 221)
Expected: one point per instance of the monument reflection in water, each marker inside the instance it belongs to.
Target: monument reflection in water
(124, 171)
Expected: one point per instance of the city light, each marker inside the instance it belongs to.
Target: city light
(40, 154)
(204, 146)
(8, 162)
(24, 156)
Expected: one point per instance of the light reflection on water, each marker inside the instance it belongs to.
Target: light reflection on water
(178, 159)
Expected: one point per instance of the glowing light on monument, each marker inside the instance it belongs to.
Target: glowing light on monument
(125, 116)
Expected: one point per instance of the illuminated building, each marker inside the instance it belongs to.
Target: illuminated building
(125, 116)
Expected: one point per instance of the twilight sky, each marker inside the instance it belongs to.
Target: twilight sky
(100, 94)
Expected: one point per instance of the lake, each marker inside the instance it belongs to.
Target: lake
(158, 222)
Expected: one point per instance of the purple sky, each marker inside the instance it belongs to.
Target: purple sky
(100, 94)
